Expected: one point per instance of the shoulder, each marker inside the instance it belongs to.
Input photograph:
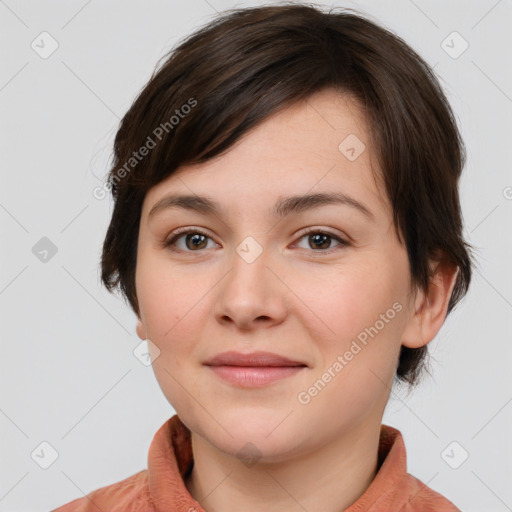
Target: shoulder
(128, 495)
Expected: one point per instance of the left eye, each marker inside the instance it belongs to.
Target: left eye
(320, 239)
(195, 239)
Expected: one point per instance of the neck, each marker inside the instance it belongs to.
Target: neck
(330, 478)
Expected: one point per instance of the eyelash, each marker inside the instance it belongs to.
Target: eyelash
(176, 235)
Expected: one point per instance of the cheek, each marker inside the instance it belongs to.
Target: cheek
(173, 307)
(164, 296)
(344, 302)
(169, 315)
(362, 314)
(360, 358)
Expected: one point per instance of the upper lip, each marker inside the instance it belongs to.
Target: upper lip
(232, 358)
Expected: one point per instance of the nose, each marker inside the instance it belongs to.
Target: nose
(253, 293)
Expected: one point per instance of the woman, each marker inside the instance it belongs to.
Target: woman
(287, 229)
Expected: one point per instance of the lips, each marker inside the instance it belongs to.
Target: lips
(253, 359)
(254, 370)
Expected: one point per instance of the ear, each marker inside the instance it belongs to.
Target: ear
(430, 308)
(141, 331)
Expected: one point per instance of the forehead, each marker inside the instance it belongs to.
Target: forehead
(319, 144)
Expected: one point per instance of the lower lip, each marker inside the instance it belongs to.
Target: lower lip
(255, 376)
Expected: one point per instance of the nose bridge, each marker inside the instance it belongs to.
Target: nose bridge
(249, 266)
(250, 290)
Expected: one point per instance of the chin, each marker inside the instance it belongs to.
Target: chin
(260, 448)
(273, 433)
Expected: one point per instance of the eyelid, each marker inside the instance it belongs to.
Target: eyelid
(318, 229)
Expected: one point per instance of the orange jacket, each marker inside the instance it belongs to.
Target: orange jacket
(161, 487)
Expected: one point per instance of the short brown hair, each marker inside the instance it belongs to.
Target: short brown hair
(250, 63)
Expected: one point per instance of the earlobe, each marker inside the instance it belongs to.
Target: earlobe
(430, 308)
(141, 331)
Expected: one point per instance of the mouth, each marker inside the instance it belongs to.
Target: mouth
(255, 369)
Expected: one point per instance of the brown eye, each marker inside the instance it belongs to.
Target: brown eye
(321, 241)
(193, 241)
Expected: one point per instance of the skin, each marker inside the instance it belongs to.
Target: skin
(301, 298)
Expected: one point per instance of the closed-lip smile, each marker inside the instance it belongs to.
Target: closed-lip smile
(253, 370)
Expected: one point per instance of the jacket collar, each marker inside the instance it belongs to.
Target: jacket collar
(170, 461)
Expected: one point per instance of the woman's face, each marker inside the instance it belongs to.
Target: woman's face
(253, 280)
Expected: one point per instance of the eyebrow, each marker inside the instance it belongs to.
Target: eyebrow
(283, 207)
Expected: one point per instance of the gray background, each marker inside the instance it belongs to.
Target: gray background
(67, 372)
